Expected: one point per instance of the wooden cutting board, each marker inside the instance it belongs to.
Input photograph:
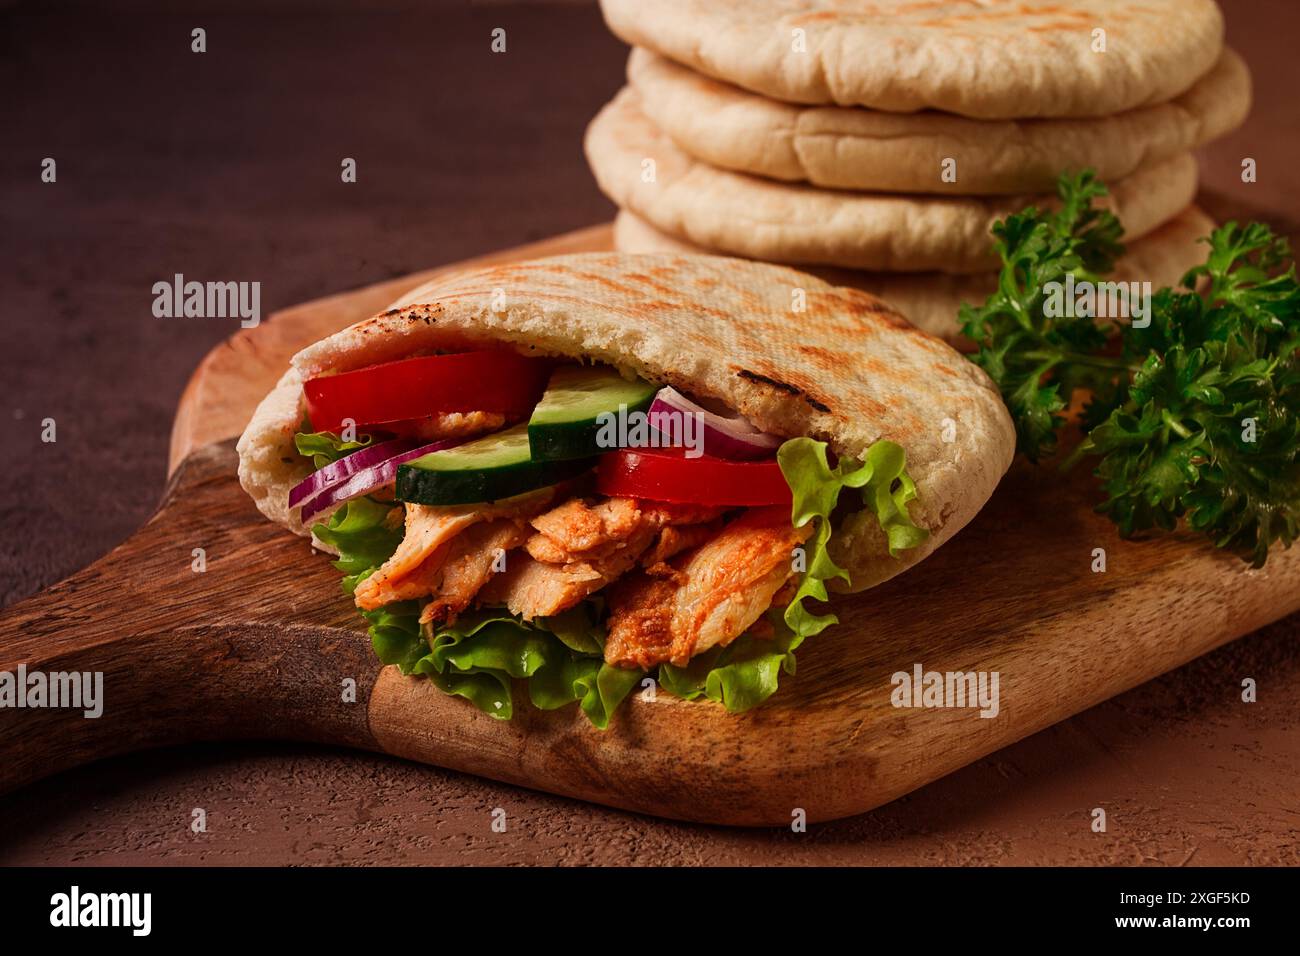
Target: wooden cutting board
(263, 643)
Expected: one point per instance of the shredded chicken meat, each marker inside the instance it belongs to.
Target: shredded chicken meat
(415, 568)
(706, 597)
(681, 578)
(580, 547)
(471, 560)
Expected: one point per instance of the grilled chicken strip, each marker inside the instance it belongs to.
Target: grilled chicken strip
(581, 547)
(675, 539)
(577, 530)
(577, 527)
(469, 563)
(415, 568)
(532, 588)
(708, 597)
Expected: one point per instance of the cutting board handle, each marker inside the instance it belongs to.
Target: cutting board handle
(179, 648)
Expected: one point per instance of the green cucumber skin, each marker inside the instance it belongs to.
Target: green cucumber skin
(472, 486)
(559, 441)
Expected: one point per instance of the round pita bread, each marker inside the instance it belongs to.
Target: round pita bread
(846, 369)
(992, 59)
(641, 169)
(931, 300)
(842, 147)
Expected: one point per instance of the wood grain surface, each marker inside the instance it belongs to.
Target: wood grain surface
(261, 643)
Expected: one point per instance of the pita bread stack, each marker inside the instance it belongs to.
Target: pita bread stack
(875, 142)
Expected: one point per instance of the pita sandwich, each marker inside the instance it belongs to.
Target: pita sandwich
(475, 459)
(931, 300)
(996, 59)
(840, 147)
(641, 169)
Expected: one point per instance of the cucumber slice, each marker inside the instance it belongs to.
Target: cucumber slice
(490, 468)
(564, 423)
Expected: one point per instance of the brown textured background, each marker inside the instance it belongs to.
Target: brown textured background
(226, 165)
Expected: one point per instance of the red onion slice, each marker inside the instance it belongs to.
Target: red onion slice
(368, 479)
(344, 468)
(729, 435)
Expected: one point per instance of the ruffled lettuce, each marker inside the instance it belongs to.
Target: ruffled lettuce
(480, 655)
(886, 489)
(364, 536)
(739, 676)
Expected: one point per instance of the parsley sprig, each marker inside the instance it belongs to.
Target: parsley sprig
(1196, 415)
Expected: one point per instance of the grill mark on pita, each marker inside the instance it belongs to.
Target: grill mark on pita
(881, 312)
(606, 281)
(822, 358)
(657, 286)
(859, 303)
(657, 305)
(781, 386)
(766, 380)
(768, 330)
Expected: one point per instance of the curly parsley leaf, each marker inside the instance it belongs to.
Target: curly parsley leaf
(1198, 416)
(1037, 352)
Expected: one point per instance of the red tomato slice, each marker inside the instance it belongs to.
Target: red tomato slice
(668, 475)
(484, 381)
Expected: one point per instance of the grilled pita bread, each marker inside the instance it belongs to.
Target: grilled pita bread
(841, 147)
(641, 169)
(847, 369)
(995, 59)
(931, 300)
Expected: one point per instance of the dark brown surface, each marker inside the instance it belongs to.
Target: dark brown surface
(226, 166)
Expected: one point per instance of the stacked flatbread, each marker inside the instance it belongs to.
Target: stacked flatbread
(875, 142)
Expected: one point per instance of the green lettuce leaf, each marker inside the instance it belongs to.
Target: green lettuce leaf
(598, 687)
(579, 628)
(601, 698)
(480, 655)
(739, 676)
(395, 634)
(886, 490)
(364, 536)
(325, 448)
